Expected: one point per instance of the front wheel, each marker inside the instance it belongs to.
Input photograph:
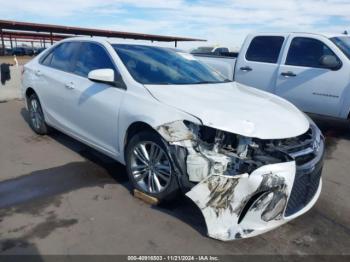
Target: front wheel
(149, 166)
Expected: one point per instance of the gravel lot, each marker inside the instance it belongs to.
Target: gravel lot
(58, 196)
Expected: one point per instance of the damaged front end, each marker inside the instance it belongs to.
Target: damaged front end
(246, 186)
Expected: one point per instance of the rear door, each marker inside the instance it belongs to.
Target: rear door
(305, 82)
(94, 107)
(52, 75)
(258, 65)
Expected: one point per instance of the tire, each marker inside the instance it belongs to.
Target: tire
(36, 116)
(158, 178)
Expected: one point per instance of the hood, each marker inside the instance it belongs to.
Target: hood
(235, 108)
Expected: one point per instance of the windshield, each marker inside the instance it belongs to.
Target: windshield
(343, 42)
(161, 66)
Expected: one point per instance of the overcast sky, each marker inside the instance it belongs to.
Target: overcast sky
(224, 22)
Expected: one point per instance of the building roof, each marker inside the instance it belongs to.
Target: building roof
(58, 29)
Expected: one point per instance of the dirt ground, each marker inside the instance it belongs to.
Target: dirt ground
(57, 196)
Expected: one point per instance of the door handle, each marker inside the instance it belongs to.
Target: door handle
(246, 69)
(288, 74)
(69, 85)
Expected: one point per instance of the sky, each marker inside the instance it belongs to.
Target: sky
(221, 22)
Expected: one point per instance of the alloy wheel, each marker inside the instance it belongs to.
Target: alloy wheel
(150, 167)
(35, 114)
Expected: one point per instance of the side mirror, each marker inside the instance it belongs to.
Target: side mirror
(102, 75)
(330, 62)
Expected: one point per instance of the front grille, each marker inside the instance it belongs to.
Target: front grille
(299, 148)
(304, 189)
(295, 144)
(307, 150)
(301, 160)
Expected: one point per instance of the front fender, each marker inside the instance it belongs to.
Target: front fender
(142, 107)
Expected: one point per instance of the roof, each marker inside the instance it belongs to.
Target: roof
(328, 35)
(24, 26)
(112, 41)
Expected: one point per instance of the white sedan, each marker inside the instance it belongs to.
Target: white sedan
(250, 160)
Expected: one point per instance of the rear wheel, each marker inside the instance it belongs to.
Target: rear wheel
(149, 166)
(36, 116)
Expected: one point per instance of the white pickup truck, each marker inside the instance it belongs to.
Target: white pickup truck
(310, 70)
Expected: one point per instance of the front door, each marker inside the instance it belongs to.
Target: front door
(305, 82)
(93, 106)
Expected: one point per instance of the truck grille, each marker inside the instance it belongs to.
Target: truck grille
(304, 189)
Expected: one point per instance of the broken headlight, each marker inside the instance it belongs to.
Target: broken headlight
(216, 152)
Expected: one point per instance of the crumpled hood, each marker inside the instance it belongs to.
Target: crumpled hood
(235, 108)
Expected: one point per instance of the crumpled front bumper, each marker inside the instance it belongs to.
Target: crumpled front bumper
(250, 204)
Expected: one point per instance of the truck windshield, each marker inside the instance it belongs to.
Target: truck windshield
(343, 43)
(162, 66)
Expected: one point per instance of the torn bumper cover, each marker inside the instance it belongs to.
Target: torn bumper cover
(240, 205)
(246, 206)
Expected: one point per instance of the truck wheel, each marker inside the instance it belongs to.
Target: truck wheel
(149, 166)
(37, 120)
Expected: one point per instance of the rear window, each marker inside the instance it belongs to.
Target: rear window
(202, 49)
(47, 60)
(62, 57)
(265, 49)
(221, 50)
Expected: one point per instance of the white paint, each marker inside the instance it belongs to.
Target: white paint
(235, 108)
(197, 167)
(99, 115)
(104, 75)
(225, 226)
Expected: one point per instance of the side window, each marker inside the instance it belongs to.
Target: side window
(47, 59)
(265, 49)
(63, 56)
(307, 52)
(92, 56)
